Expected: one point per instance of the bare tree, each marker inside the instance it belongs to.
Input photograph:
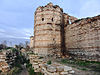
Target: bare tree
(21, 45)
(10, 43)
(4, 43)
(1, 46)
(26, 43)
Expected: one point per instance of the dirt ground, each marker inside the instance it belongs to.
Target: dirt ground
(24, 71)
(85, 69)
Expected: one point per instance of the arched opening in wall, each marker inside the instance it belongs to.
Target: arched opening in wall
(52, 19)
(42, 19)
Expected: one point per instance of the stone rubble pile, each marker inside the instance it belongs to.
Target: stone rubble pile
(40, 65)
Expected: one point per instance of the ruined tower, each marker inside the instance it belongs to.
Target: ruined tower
(58, 31)
(47, 28)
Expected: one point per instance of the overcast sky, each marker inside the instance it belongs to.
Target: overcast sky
(17, 16)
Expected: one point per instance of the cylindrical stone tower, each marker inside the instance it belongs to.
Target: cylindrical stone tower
(47, 28)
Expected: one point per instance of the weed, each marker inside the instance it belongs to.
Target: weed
(49, 62)
(84, 69)
(40, 57)
(64, 61)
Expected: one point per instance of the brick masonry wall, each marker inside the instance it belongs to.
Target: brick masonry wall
(58, 31)
(47, 28)
(82, 38)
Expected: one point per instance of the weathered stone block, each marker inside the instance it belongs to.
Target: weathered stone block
(66, 68)
(60, 68)
(64, 73)
(51, 69)
(72, 72)
(34, 63)
(36, 66)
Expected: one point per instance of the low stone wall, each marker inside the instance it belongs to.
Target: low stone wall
(4, 67)
(40, 65)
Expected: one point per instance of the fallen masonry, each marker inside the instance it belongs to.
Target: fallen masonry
(40, 65)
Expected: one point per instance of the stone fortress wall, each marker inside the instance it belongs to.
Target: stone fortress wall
(83, 38)
(54, 29)
(47, 28)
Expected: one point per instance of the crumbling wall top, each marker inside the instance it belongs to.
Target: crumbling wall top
(49, 6)
(87, 20)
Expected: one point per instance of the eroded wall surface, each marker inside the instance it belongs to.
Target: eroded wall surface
(82, 38)
(55, 31)
(47, 28)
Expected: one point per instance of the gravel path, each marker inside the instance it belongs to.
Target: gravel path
(24, 71)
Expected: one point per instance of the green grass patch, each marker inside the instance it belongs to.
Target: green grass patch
(28, 65)
(64, 61)
(31, 71)
(78, 62)
(84, 69)
(82, 65)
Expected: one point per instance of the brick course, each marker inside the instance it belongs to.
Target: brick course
(77, 37)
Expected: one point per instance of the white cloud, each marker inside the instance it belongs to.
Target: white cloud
(2, 30)
(24, 33)
(20, 33)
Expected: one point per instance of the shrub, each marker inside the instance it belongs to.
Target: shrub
(84, 69)
(64, 61)
(28, 65)
(49, 62)
(40, 57)
(31, 71)
(18, 65)
(0, 71)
